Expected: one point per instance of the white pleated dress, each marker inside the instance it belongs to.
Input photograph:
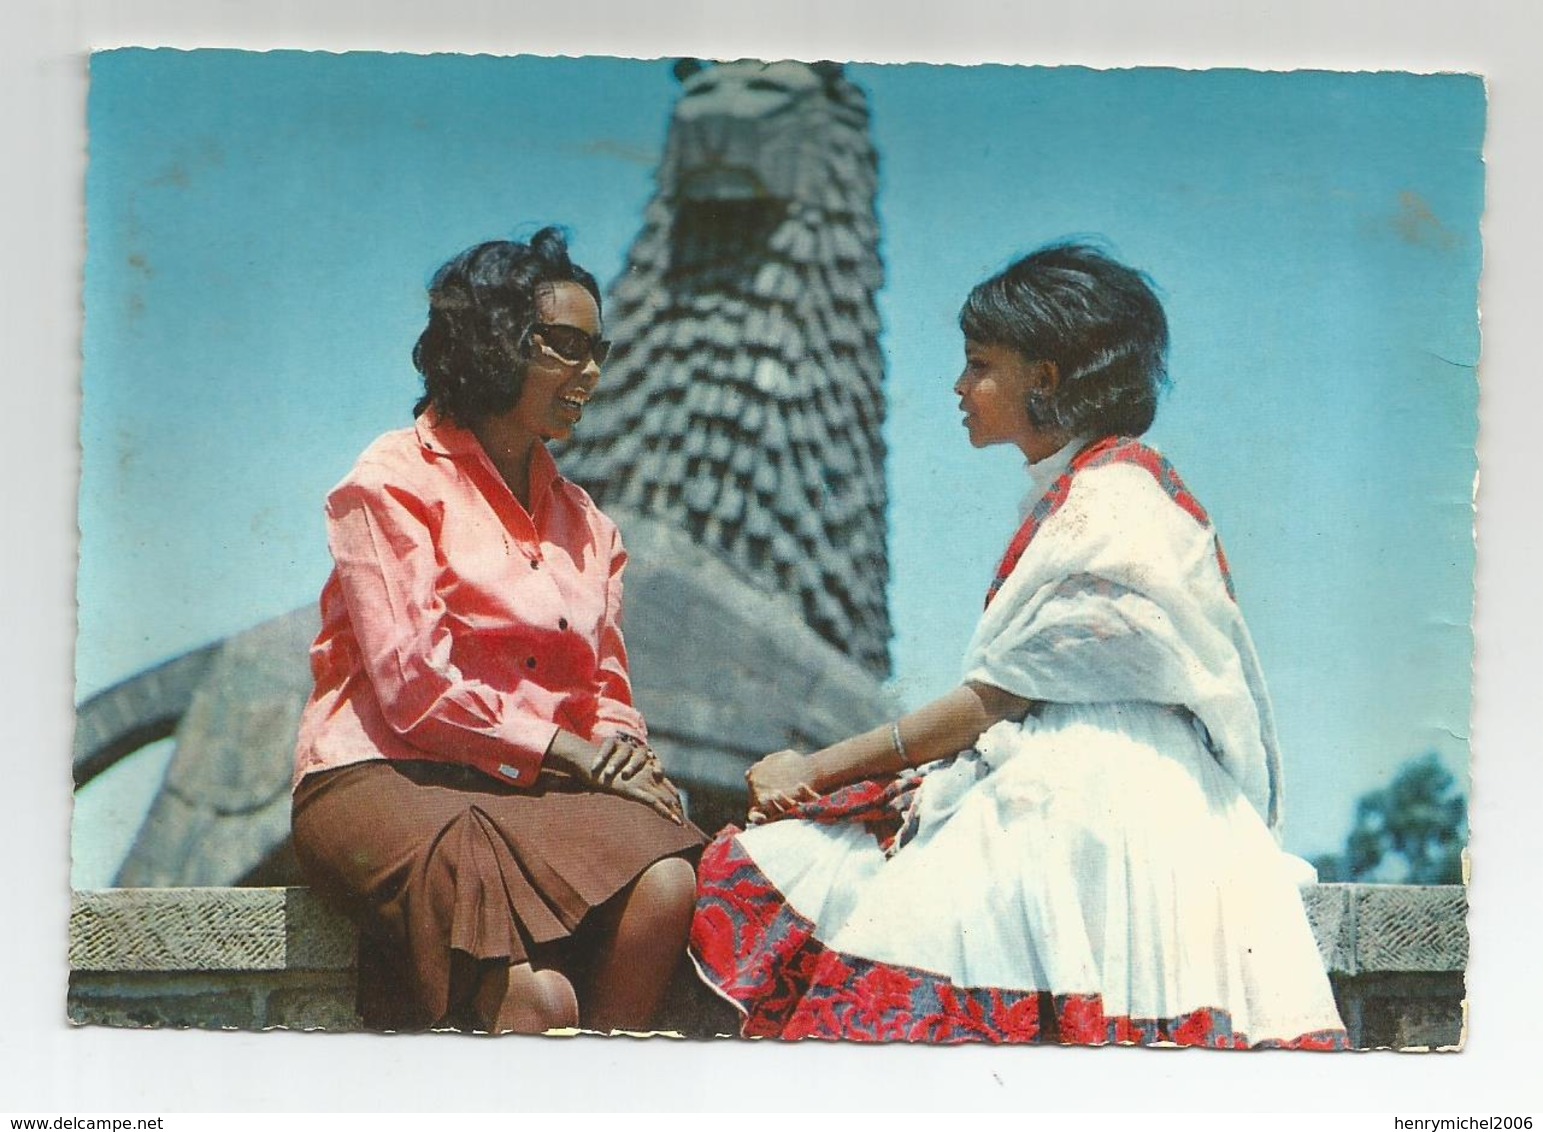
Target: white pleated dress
(1104, 871)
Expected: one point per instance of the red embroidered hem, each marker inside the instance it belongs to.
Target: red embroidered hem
(763, 956)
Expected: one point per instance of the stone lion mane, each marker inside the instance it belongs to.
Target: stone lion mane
(745, 401)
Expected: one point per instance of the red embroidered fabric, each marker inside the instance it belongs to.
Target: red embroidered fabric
(881, 805)
(763, 956)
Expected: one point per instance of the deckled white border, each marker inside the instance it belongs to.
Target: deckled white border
(47, 1067)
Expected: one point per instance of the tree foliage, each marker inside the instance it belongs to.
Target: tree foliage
(1412, 831)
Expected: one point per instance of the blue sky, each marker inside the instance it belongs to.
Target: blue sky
(261, 227)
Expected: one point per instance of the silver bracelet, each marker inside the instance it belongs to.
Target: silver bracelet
(894, 737)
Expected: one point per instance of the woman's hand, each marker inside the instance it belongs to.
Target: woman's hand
(627, 766)
(779, 782)
(620, 764)
(620, 756)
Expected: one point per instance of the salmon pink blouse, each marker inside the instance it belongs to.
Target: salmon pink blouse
(456, 625)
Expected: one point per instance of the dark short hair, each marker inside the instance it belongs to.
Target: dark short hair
(1100, 323)
(482, 305)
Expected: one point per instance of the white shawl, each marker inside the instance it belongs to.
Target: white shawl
(1120, 595)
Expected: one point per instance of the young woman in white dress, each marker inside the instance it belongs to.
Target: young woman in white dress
(1079, 843)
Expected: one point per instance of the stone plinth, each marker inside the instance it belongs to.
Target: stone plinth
(257, 958)
(213, 958)
(1396, 955)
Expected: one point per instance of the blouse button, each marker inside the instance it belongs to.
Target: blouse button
(530, 662)
(562, 622)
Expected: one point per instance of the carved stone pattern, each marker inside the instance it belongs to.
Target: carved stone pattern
(1332, 917)
(208, 929)
(1411, 928)
(178, 930)
(745, 401)
(1391, 927)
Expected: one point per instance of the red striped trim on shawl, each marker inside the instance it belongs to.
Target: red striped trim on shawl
(1101, 453)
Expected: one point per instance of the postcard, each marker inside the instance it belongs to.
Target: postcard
(1123, 419)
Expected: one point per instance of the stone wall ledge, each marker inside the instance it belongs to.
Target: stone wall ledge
(207, 929)
(1363, 928)
(253, 958)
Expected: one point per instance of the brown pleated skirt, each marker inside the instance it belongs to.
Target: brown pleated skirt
(446, 870)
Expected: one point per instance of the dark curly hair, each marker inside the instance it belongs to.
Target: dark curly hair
(482, 305)
(1100, 323)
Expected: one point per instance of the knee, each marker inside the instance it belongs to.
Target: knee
(668, 888)
(556, 1000)
(537, 1001)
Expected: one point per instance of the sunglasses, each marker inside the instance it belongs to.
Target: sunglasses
(570, 345)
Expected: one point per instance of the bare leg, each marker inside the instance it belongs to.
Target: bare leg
(522, 1000)
(635, 960)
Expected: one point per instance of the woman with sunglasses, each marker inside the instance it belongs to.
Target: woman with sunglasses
(473, 784)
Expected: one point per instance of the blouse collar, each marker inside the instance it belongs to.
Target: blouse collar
(446, 438)
(1043, 473)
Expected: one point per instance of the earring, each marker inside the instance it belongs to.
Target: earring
(1041, 408)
